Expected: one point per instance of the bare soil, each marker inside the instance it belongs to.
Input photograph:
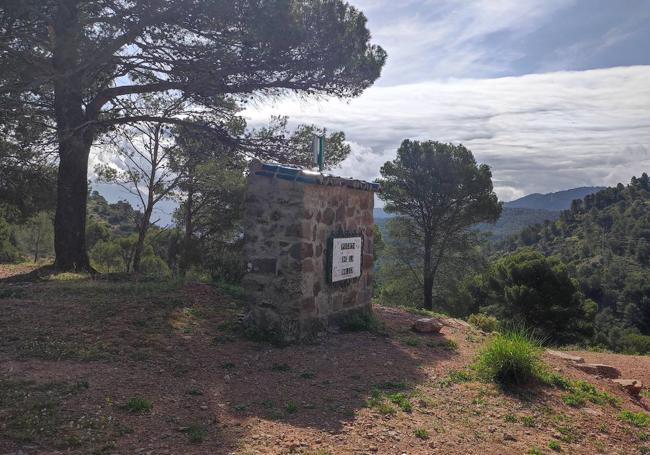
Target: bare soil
(74, 351)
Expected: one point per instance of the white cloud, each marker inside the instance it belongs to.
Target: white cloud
(437, 38)
(540, 133)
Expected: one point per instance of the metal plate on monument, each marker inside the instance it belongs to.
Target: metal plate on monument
(346, 258)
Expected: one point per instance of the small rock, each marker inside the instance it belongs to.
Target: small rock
(601, 369)
(565, 356)
(492, 429)
(508, 437)
(427, 325)
(631, 386)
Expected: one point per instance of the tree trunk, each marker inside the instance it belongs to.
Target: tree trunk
(70, 218)
(36, 246)
(189, 231)
(427, 281)
(74, 144)
(142, 234)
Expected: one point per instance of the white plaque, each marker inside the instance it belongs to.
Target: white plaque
(346, 258)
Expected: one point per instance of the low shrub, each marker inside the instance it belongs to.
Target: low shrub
(511, 358)
(484, 322)
(138, 405)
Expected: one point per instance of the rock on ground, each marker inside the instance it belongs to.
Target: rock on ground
(599, 369)
(427, 325)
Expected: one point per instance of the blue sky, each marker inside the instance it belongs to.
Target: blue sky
(552, 94)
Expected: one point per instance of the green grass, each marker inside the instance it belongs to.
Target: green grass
(554, 445)
(362, 322)
(455, 377)
(291, 407)
(196, 433)
(510, 418)
(138, 405)
(581, 392)
(638, 419)
(412, 341)
(510, 359)
(484, 322)
(421, 433)
(528, 421)
(401, 400)
(534, 451)
(308, 375)
(38, 414)
(280, 367)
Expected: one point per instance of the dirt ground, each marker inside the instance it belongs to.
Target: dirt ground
(76, 354)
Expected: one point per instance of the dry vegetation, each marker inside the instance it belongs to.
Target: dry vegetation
(102, 366)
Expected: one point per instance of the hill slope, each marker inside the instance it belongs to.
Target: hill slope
(76, 352)
(605, 240)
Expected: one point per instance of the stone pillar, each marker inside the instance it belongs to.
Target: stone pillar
(292, 219)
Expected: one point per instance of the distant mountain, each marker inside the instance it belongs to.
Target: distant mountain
(521, 213)
(558, 201)
(513, 220)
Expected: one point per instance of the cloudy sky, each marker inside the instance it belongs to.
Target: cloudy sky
(552, 94)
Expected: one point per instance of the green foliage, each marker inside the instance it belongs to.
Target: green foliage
(439, 191)
(484, 322)
(107, 255)
(526, 287)
(554, 445)
(138, 405)
(421, 433)
(196, 433)
(455, 377)
(510, 359)
(604, 240)
(581, 391)
(154, 266)
(361, 322)
(9, 251)
(638, 419)
(280, 367)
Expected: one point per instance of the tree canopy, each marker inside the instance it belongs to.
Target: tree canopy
(71, 69)
(439, 191)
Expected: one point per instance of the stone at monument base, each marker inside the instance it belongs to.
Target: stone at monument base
(308, 251)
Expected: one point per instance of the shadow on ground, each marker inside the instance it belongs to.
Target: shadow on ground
(178, 347)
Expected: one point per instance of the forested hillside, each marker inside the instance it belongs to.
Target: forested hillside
(605, 242)
(560, 200)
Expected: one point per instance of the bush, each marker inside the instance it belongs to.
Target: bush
(635, 343)
(511, 358)
(8, 249)
(484, 322)
(154, 266)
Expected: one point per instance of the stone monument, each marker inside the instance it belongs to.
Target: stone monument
(308, 251)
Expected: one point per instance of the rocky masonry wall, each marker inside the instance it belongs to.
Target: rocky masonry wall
(290, 218)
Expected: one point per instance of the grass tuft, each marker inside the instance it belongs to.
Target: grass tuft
(196, 433)
(484, 322)
(510, 359)
(421, 433)
(138, 405)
